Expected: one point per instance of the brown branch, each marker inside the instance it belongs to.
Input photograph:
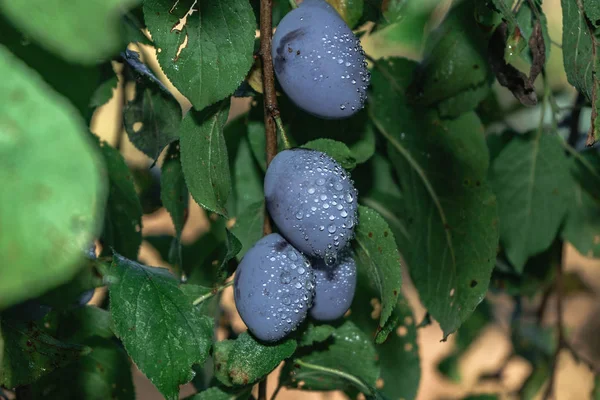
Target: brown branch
(270, 112)
(270, 96)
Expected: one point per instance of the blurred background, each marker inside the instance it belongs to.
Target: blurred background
(480, 368)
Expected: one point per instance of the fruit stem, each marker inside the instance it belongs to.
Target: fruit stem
(286, 140)
(212, 293)
(293, 4)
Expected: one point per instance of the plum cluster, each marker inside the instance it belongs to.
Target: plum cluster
(319, 62)
(307, 267)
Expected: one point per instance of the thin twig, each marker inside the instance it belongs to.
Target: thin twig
(271, 111)
(212, 293)
(276, 392)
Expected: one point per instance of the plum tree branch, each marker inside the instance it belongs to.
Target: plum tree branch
(271, 111)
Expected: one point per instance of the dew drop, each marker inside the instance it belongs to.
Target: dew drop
(292, 255)
(332, 228)
(299, 215)
(338, 186)
(298, 285)
(285, 277)
(320, 182)
(301, 270)
(344, 214)
(311, 190)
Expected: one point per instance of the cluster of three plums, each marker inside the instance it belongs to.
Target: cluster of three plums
(308, 267)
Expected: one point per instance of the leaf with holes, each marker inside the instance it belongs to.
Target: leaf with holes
(81, 32)
(376, 249)
(531, 179)
(123, 219)
(581, 56)
(53, 185)
(349, 361)
(209, 55)
(174, 195)
(204, 157)
(451, 211)
(246, 360)
(149, 311)
(153, 117)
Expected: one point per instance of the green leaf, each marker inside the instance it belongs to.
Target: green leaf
(531, 179)
(76, 82)
(248, 360)
(81, 32)
(210, 55)
(249, 226)
(581, 55)
(455, 73)
(221, 353)
(149, 311)
(535, 381)
(123, 219)
(451, 211)
(592, 11)
(582, 226)
(104, 92)
(29, 353)
(104, 373)
(315, 334)
(247, 179)
(351, 358)
(204, 157)
(216, 393)
(174, 195)
(376, 249)
(51, 202)
(153, 117)
(349, 10)
(336, 150)
(399, 353)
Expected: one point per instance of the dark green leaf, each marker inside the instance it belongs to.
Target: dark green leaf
(482, 397)
(104, 373)
(376, 249)
(219, 43)
(248, 360)
(451, 211)
(582, 226)
(53, 190)
(535, 381)
(595, 395)
(581, 55)
(531, 179)
(153, 117)
(123, 219)
(249, 226)
(221, 354)
(132, 29)
(454, 73)
(204, 157)
(351, 358)
(81, 32)
(29, 353)
(247, 180)
(336, 150)
(174, 196)
(399, 353)
(149, 311)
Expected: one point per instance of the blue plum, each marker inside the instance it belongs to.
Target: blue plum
(334, 288)
(319, 62)
(312, 201)
(273, 288)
